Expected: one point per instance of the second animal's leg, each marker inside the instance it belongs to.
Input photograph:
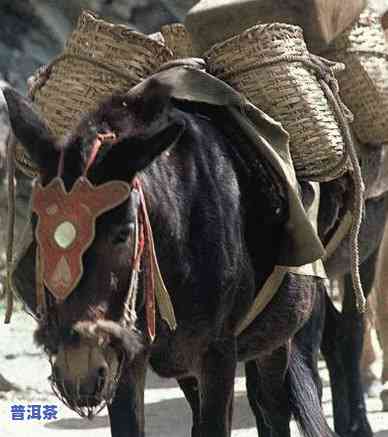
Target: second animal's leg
(352, 345)
(342, 347)
(190, 389)
(381, 288)
(287, 381)
(332, 351)
(267, 393)
(370, 381)
(216, 383)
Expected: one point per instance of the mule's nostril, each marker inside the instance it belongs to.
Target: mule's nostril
(102, 372)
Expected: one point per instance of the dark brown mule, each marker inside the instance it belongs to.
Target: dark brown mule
(344, 329)
(217, 221)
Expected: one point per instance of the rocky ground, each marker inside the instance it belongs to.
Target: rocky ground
(167, 414)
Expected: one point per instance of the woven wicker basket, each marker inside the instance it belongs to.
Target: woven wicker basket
(364, 83)
(288, 91)
(99, 58)
(178, 40)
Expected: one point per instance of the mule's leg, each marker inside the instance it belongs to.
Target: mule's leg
(126, 413)
(381, 287)
(382, 312)
(303, 374)
(267, 394)
(352, 345)
(342, 347)
(369, 379)
(331, 350)
(190, 388)
(288, 382)
(216, 384)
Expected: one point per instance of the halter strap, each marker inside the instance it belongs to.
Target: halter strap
(101, 138)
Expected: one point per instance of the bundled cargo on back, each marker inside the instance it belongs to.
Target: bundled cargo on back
(364, 82)
(178, 40)
(214, 21)
(271, 65)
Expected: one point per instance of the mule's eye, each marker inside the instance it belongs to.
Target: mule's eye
(123, 233)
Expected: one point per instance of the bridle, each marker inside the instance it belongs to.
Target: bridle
(143, 259)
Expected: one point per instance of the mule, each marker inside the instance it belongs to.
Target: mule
(217, 220)
(342, 341)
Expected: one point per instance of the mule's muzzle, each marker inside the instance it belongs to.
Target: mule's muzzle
(85, 377)
(83, 392)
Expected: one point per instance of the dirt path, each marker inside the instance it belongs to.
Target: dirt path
(167, 414)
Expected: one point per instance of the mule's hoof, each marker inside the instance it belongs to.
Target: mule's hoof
(384, 397)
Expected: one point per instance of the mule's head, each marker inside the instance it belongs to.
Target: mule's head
(84, 331)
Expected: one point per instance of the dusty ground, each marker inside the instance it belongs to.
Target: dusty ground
(167, 414)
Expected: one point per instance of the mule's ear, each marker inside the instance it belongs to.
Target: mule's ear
(151, 126)
(152, 103)
(132, 155)
(30, 129)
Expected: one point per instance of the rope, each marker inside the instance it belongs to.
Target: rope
(357, 213)
(11, 146)
(40, 78)
(154, 284)
(331, 89)
(130, 316)
(325, 69)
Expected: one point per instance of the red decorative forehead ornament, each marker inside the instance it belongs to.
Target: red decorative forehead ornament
(66, 227)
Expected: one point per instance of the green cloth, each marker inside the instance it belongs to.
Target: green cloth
(301, 244)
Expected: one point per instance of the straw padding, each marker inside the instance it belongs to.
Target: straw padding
(269, 64)
(99, 58)
(364, 83)
(178, 40)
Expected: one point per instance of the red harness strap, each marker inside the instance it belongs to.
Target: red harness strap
(148, 266)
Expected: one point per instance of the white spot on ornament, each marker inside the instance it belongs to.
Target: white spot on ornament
(65, 234)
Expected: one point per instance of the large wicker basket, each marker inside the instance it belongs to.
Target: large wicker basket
(259, 64)
(364, 83)
(178, 40)
(99, 58)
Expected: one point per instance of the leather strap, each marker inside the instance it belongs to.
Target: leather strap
(264, 296)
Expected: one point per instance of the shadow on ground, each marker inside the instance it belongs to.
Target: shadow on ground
(162, 417)
(75, 423)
